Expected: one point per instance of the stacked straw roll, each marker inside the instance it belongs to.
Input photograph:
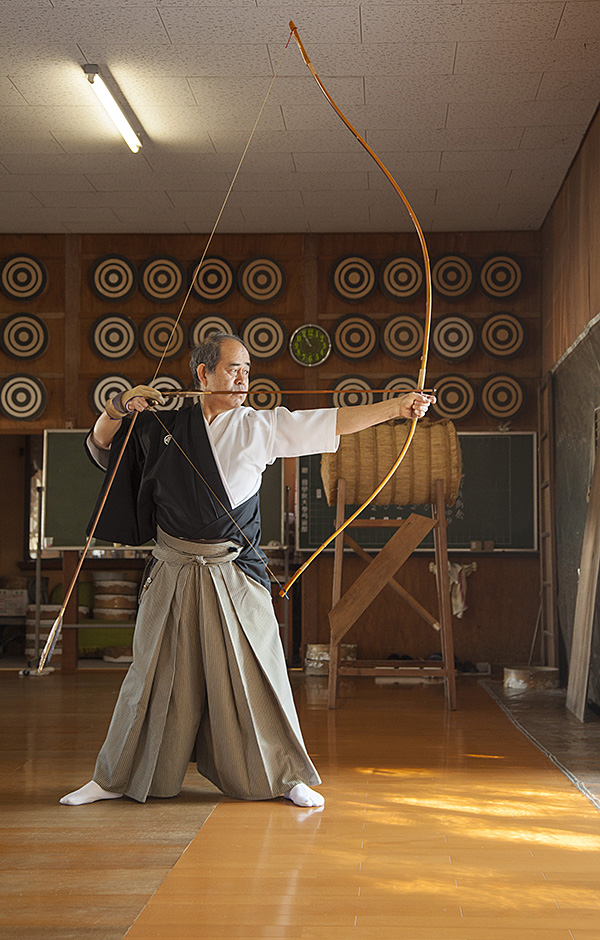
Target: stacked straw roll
(363, 459)
(115, 601)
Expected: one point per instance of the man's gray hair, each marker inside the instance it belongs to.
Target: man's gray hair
(209, 353)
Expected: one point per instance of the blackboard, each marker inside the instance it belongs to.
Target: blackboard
(496, 501)
(72, 482)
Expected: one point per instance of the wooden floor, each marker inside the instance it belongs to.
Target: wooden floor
(437, 825)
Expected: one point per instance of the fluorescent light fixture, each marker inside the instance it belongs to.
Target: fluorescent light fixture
(112, 108)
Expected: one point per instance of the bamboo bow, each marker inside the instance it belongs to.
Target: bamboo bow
(428, 311)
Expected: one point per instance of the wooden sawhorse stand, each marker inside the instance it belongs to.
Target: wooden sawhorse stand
(381, 570)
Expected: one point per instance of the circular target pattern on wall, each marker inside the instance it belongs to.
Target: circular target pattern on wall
(501, 396)
(452, 276)
(23, 336)
(261, 280)
(105, 388)
(265, 393)
(355, 338)
(264, 337)
(455, 397)
(22, 397)
(401, 277)
(502, 335)
(500, 276)
(215, 280)
(169, 383)
(398, 385)
(114, 336)
(203, 327)
(162, 279)
(353, 278)
(113, 278)
(453, 338)
(352, 390)
(22, 277)
(402, 337)
(158, 332)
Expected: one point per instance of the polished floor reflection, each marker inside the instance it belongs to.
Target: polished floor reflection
(437, 825)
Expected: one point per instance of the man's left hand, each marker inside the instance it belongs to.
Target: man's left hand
(414, 405)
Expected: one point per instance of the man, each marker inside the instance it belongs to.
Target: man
(208, 677)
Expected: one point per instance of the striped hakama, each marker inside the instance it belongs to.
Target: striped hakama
(208, 683)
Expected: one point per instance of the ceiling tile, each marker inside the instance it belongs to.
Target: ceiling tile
(536, 160)
(569, 137)
(19, 182)
(470, 87)
(465, 22)
(469, 138)
(511, 114)
(580, 20)
(265, 24)
(570, 85)
(336, 59)
(527, 56)
(307, 182)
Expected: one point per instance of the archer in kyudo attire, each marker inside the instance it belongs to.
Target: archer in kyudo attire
(208, 680)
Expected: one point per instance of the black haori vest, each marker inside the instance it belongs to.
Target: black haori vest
(156, 486)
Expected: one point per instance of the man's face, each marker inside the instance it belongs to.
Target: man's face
(231, 373)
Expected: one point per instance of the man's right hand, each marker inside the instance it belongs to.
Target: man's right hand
(137, 398)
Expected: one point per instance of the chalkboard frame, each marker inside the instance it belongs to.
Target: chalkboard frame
(76, 482)
(309, 535)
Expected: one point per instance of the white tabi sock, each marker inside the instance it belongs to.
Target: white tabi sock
(90, 793)
(302, 795)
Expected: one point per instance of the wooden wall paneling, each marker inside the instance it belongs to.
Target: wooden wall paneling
(497, 627)
(571, 247)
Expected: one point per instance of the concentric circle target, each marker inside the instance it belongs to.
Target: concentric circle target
(157, 332)
(23, 336)
(349, 391)
(215, 280)
(22, 397)
(401, 277)
(22, 277)
(105, 388)
(453, 338)
(502, 335)
(355, 338)
(402, 337)
(501, 396)
(398, 385)
(114, 336)
(455, 397)
(261, 280)
(265, 393)
(264, 337)
(169, 383)
(353, 278)
(500, 276)
(452, 276)
(203, 327)
(162, 279)
(113, 278)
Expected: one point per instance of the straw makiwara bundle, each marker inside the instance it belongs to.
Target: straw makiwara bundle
(364, 458)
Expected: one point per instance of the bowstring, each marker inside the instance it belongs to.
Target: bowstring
(221, 504)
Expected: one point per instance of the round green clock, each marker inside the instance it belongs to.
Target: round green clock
(310, 345)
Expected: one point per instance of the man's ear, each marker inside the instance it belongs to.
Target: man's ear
(202, 374)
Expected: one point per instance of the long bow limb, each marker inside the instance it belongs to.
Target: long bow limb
(57, 626)
(428, 310)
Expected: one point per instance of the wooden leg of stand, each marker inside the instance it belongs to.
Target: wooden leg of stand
(443, 589)
(69, 637)
(338, 559)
